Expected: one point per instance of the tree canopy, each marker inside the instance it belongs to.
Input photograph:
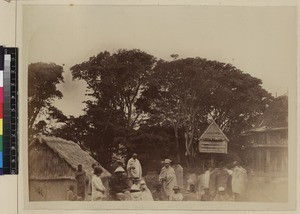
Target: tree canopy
(157, 108)
(42, 90)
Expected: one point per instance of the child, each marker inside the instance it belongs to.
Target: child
(192, 194)
(206, 196)
(70, 194)
(221, 195)
(157, 193)
(176, 195)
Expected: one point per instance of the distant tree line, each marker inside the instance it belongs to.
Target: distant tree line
(139, 103)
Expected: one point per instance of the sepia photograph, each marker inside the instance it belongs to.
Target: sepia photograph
(159, 103)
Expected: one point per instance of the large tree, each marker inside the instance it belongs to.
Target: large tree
(115, 82)
(42, 90)
(185, 93)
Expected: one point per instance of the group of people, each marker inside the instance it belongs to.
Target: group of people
(226, 182)
(221, 183)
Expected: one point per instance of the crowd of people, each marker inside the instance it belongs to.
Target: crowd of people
(215, 183)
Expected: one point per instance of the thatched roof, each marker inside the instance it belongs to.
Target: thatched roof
(70, 152)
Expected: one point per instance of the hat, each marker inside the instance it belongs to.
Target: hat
(176, 188)
(119, 169)
(221, 189)
(167, 161)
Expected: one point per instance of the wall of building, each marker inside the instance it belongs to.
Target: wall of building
(49, 190)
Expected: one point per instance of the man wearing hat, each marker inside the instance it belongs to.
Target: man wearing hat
(167, 178)
(176, 195)
(134, 167)
(117, 183)
(135, 190)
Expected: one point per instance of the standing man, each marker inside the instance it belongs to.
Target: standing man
(134, 168)
(179, 174)
(167, 178)
(222, 177)
(81, 178)
(239, 179)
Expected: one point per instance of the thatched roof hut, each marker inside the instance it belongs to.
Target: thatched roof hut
(52, 165)
(69, 156)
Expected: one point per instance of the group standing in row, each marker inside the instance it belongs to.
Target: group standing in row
(216, 183)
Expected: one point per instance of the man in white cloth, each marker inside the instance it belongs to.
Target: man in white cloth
(135, 190)
(167, 178)
(98, 189)
(146, 193)
(134, 168)
(239, 179)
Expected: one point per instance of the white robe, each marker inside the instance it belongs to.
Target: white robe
(137, 171)
(97, 188)
(146, 195)
(168, 179)
(239, 179)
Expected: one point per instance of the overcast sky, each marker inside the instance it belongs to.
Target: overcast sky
(260, 41)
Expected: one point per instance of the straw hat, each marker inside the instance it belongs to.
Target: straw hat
(119, 169)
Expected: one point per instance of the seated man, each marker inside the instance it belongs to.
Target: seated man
(192, 194)
(118, 183)
(176, 195)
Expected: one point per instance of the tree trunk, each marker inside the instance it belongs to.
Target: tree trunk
(177, 145)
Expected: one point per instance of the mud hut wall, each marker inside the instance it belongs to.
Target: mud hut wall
(50, 190)
(43, 163)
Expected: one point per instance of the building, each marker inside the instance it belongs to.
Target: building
(267, 143)
(52, 163)
(213, 145)
(268, 150)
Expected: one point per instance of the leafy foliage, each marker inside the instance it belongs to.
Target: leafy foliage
(42, 81)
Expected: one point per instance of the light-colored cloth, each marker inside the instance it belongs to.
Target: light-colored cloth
(179, 175)
(134, 168)
(201, 184)
(98, 189)
(146, 195)
(167, 177)
(206, 179)
(175, 197)
(136, 187)
(90, 183)
(239, 179)
(136, 196)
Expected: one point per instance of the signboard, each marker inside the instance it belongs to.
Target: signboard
(206, 146)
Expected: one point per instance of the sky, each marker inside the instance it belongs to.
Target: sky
(260, 41)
